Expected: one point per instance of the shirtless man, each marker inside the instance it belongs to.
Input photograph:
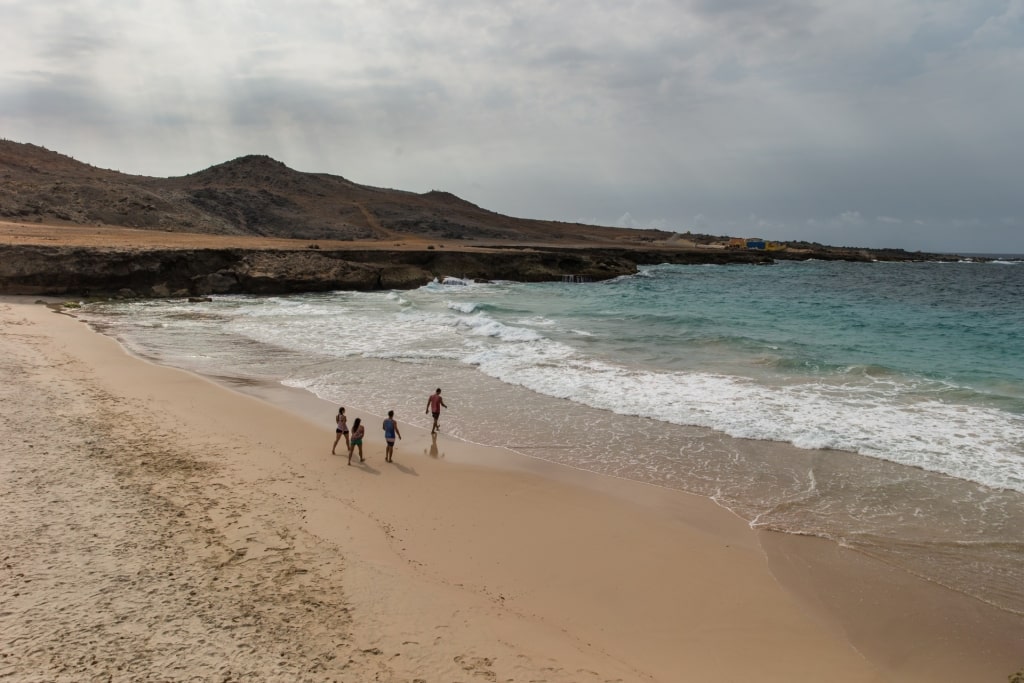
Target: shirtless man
(434, 405)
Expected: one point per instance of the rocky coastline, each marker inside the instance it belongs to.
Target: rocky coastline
(141, 272)
(145, 273)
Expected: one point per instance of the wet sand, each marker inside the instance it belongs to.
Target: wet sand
(161, 526)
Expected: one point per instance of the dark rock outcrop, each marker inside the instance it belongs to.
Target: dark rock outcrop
(194, 272)
(81, 271)
(178, 272)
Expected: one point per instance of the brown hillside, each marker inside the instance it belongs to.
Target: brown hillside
(261, 197)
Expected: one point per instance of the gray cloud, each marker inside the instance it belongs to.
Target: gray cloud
(778, 117)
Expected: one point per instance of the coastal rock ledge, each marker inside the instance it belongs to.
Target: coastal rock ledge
(134, 272)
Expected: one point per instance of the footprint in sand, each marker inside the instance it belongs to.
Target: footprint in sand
(478, 666)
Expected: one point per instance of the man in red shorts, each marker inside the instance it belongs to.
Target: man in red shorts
(434, 405)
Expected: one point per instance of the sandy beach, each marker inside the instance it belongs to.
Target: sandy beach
(160, 526)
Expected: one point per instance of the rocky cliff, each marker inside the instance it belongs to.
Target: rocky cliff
(35, 269)
(88, 271)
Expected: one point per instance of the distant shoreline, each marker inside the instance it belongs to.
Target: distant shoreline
(996, 257)
(90, 261)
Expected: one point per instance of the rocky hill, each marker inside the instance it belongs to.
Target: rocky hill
(254, 225)
(259, 196)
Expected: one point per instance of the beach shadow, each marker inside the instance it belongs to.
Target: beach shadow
(404, 469)
(365, 466)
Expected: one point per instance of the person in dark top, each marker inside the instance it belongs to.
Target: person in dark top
(390, 432)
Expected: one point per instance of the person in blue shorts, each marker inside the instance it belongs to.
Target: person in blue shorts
(390, 432)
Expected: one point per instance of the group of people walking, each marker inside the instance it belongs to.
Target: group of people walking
(354, 437)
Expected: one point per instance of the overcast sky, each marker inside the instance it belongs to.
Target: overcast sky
(850, 122)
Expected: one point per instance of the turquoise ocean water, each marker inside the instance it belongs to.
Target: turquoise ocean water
(880, 405)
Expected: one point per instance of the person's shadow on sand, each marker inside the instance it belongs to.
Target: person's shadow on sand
(433, 448)
(403, 469)
(365, 466)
